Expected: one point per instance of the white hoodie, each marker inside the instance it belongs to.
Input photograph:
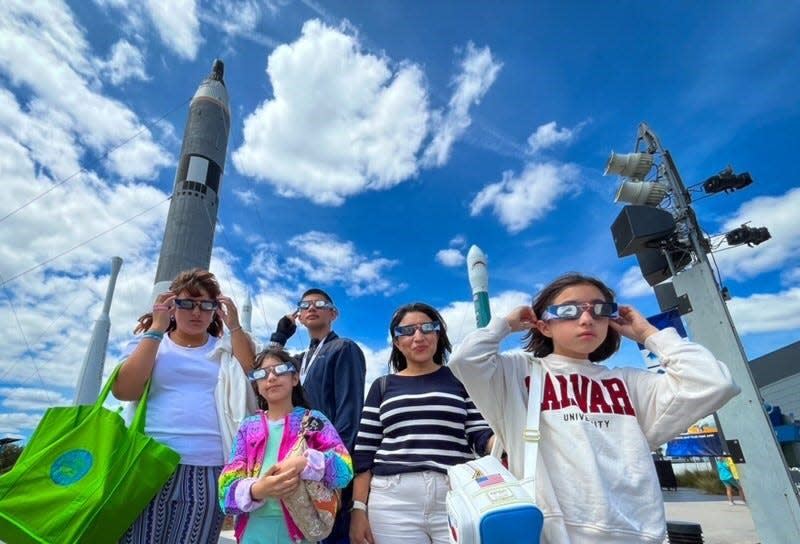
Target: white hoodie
(595, 478)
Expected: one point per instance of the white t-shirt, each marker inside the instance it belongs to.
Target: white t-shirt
(181, 411)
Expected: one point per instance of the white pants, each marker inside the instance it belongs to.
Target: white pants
(409, 508)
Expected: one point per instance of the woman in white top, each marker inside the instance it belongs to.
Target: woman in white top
(198, 395)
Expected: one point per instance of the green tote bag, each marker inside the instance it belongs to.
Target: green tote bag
(84, 477)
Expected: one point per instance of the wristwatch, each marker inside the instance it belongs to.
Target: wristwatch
(358, 505)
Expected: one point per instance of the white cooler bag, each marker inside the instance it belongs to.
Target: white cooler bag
(486, 504)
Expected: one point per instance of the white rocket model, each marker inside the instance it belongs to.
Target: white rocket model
(192, 218)
(479, 281)
(88, 386)
(247, 314)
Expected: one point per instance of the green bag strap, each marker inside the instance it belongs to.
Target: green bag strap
(141, 411)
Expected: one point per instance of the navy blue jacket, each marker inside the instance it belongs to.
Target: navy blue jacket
(335, 386)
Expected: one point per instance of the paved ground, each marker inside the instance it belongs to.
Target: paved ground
(720, 522)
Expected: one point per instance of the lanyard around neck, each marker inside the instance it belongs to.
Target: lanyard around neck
(307, 362)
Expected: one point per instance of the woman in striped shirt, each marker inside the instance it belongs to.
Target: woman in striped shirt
(415, 424)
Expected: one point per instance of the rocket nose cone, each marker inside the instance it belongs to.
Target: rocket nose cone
(218, 70)
(475, 254)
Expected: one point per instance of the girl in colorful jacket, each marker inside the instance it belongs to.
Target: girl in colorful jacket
(258, 474)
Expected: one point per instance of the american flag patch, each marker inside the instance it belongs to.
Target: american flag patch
(491, 479)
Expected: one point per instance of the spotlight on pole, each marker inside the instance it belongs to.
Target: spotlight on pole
(752, 236)
(647, 193)
(727, 181)
(629, 165)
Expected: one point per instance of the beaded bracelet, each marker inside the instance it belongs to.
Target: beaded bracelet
(236, 329)
(154, 335)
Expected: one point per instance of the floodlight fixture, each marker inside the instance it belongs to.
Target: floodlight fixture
(629, 165)
(647, 193)
(752, 236)
(727, 181)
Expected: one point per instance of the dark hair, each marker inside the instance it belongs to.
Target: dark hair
(298, 396)
(192, 281)
(397, 360)
(540, 345)
(315, 291)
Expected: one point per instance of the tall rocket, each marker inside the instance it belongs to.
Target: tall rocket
(189, 234)
(479, 281)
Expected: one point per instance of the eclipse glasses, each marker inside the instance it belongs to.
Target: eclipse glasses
(278, 370)
(410, 330)
(574, 310)
(204, 305)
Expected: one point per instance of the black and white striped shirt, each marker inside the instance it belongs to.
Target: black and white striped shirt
(423, 422)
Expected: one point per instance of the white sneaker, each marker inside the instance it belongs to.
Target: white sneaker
(731, 503)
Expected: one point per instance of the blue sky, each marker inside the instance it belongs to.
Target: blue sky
(372, 143)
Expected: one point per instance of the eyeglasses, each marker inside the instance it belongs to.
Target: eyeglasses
(411, 330)
(264, 372)
(320, 304)
(574, 310)
(204, 305)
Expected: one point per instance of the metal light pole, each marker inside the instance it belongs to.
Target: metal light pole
(772, 497)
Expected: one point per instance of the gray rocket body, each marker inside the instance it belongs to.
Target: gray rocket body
(189, 233)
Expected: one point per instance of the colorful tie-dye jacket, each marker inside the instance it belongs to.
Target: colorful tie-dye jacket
(334, 467)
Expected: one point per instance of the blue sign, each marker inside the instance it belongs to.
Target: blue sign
(695, 445)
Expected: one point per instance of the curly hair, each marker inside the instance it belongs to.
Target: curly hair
(397, 360)
(540, 345)
(193, 282)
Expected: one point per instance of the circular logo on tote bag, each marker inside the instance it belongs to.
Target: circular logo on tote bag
(71, 467)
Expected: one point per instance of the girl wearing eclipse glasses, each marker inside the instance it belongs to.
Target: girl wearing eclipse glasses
(260, 472)
(199, 393)
(595, 478)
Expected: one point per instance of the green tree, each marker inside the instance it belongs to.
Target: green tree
(8, 456)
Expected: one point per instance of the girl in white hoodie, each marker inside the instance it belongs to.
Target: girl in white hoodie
(595, 478)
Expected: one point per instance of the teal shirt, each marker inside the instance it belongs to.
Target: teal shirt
(267, 525)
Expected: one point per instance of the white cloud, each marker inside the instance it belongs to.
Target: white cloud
(450, 257)
(518, 201)
(323, 259)
(460, 315)
(459, 241)
(633, 285)
(15, 423)
(28, 398)
(247, 197)
(240, 19)
(766, 312)
(58, 72)
(340, 122)
(779, 215)
(377, 362)
(478, 72)
(791, 276)
(125, 62)
(177, 25)
(548, 135)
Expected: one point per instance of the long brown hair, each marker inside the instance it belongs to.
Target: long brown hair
(396, 359)
(193, 282)
(540, 345)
